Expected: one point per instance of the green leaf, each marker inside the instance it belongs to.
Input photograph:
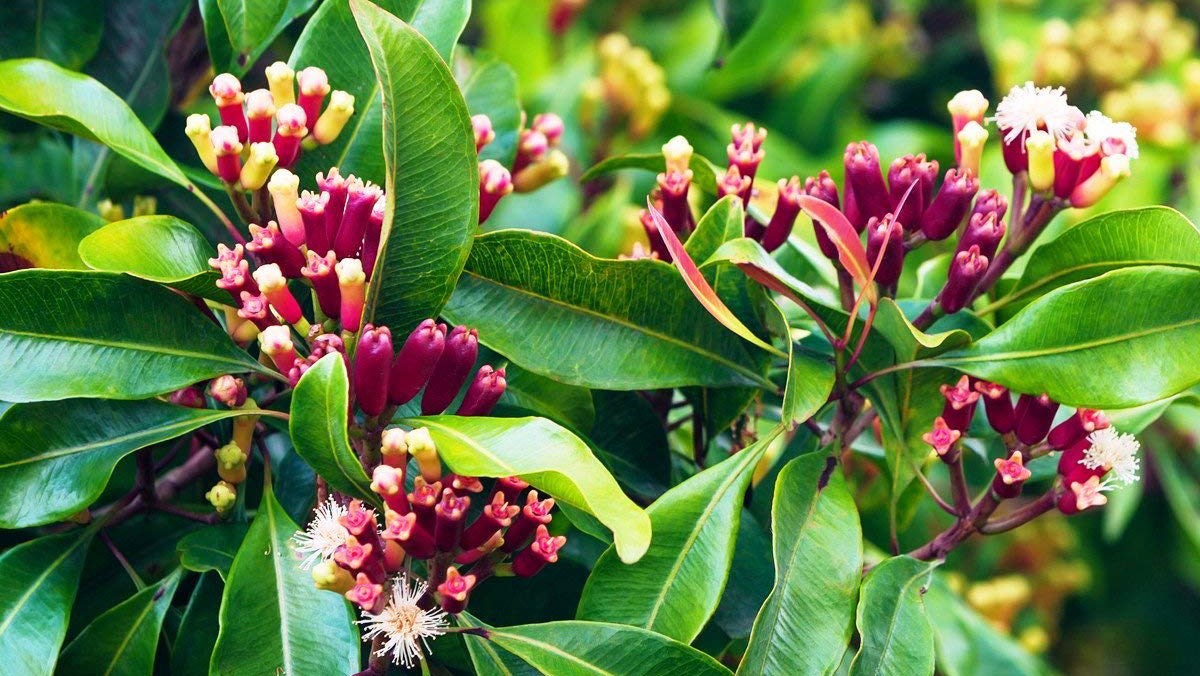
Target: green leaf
(197, 634)
(762, 47)
(896, 635)
(43, 235)
(432, 179)
(547, 456)
(491, 89)
(674, 589)
(704, 172)
(318, 426)
(66, 32)
(56, 456)
(1117, 239)
(212, 548)
(38, 581)
(969, 644)
(1134, 332)
(273, 618)
(818, 567)
(558, 311)
(94, 334)
(440, 21)
(239, 31)
(487, 659)
(1179, 488)
(123, 640)
(602, 649)
(568, 405)
(631, 442)
(160, 249)
(75, 103)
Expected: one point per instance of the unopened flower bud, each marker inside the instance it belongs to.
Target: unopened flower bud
(254, 307)
(228, 150)
(352, 286)
(908, 202)
(950, 205)
(365, 593)
(966, 269)
(450, 513)
(1079, 497)
(329, 576)
(451, 371)
(960, 404)
(291, 126)
(678, 155)
(551, 167)
(823, 188)
(942, 437)
(536, 513)
(424, 451)
(258, 167)
(732, 182)
(335, 190)
(984, 231)
(423, 498)
(494, 182)
(1112, 169)
(276, 342)
(311, 207)
(320, 271)
(354, 556)
(226, 91)
(331, 122)
(199, 131)
(997, 403)
(1076, 428)
(274, 286)
(787, 207)
(370, 246)
(549, 125)
(1011, 474)
(454, 591)
(190, 396)
(885, 244)
(543, 550)
(416, 361)
(510, 487)
(222, 497)
(989, 201)
(360, 200)
(1076, 158)
(281, 79)
(1039, 146)
(484, 392)
(260, 113)
(967, 106)
(372, 359)
(394, 447)
(497, 515)
(403, 528)
(1034, 415)
(865, 178)
(313, 84)
(970, 142)
(284, 187)
(228, 390)
(532, 146)
(484, 133)
(231, 463)
(745, 148)
(272, 247)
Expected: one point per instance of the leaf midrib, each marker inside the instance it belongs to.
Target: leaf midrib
(895, 614)
(1059, 273)
(555, 650)
(1059, 349)
(36, 584)
(133, 347)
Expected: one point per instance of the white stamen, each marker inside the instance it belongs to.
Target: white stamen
(1028, 108)
(323, 535)
(406, 625)
(1118, 138)
(1115, 452)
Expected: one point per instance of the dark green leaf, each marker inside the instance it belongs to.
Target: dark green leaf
(123, 640)
(439, 21)
(66, 32)
(318, 426)
(676, 586)
(547, 456)
(554, 309)
(161, 249)
(1134, 332)
(38, 580)
(568, 405)
(94, 334)
(818, 567)
(432, 177)
(239, 31)
(56, 456)
(632, 442)
(487, 659)
(273, 618)
(43, 235)
(896, 635)
(491, 89)
(75, 103)
(212, 548)
(602, 649)
(198, 629)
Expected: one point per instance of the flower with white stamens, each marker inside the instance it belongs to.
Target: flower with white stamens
(1114, 452)
(323, 536)
(1114, 138)
(406, 626)
(1027, 108)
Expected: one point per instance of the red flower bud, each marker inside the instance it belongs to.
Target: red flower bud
(272, 247)
(335, 190)
(967, 268)
(260, 113)
(484, 133)
(1011, 475)
(255, 308)
(1080, 496)
(454, 591)
(1034, 416)
(229, 390)
(494, 182)
(372, 359)
(1074, 429)
(787, 207)
(364, 593)
(290, 128)
(448, 526)
(510, 487)
(320, 271)
(312, 211)
(823, 188)
(865, 178)
(904, 172)
(313, 84)
(451, 371)
(535, 513)
(543, 550)
(370, 247)
(960, 404)
(997, 402)
(941, 438)
(484, 392)
(190, 397)
(984, 231)
(423, 498)
(360, 200)
(950, 205)
(497, 514)
(226, 91)
(885, 238)
(403, 528)
(416, 361)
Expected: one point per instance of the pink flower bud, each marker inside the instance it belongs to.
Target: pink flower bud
(334, 190)
(535, 513)
(510, 487)
(226, 91)
(360, 200)
(276, 342)
(550, 125)
(787, 207)
(284, 188)
(903, 173)
(260, 112)
(228, 390)
(272, 247)
(403, 528)
(484, 134)
(544, 549)
(484, 392)
(942, 437)
(674, 186)
(1070, 431)
(734, 183)
(254, 307)
(745, 148)
(454, 591)
(497, 514)
(190, 397)
(532, 145)
(312, 213)
(1071, 465)
(960, 404)
(823, 188)
(274, 286)
(424, 496)
(313, 84)
(494, 182)
(388, 483)
(320, 271)
(988, 201)
(451, 371)
(1011, 474)
(1081, 496)
(365, 593)
(865, 178)
(950, 205)
(352, 287)
(227, 149)
(967, 268)
(450, 513)
(370, 247)
(236, 279)
(984, 232)
(416, 361)
(997, 402)
(354, 556)
(291, 127)
(1034, 415)
(372, 358)
(885, 244)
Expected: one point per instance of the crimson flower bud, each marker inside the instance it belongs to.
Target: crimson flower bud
(884, 243)
(320, 271)
(990, 200)
(236, 279)
(510, 487)
(284, 187)
(1076, 157)
(823, 188)
(745, 148)
(372, 358)
(494, 182)
(787, 207)
(454, 591)
(532, 145)
(190, 397)
(984, 231)
(966, 270)
(960, 404)
(291, 126)
(904, 172)
(276, 342)
(228, 150)
(403, 528)
(451, 371)
(673, 186)
(1071, 466)
(275, 288)
(942, 438)
(388, 483)
(226, 91)
(543, 550)
(496, 515)
(360, 199)
(394, 449)
(260, 113)
(535, 513)
(416, 361)
(484, 392)
(335, 189)
(450, 513)
(313, 84)
(228, 390)
(997, 403)
(864, 176)
(312, 213)
(256, 309)
(1079, 497)
(734, 183)
(472, 555)
(950, 205)
(1070, 431)
(364, 593)
(658, 248)
(465, 484)
(550, 125)
(1034, 416)
(272, 247)
(484, 133)
(423, 498)
(1011, 474)
(354, 556)
(370, 247)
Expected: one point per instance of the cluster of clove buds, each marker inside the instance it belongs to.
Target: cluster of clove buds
(538, 161)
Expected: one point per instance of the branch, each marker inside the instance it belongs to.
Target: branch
(1022, 516)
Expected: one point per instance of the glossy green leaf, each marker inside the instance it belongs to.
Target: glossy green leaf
(75, 103)
(1179, 488)
(432, 179)
(38, 581)
(762, 46)
(44, 235)
(723, 222)
(273, 618)
(555, 310)
(674, 589)
(1110, 241)
(1135, 332)
(547, 456)
(896, 635)
(810, 379)
(197, 634)
(123, 641)
(568, 405)
(602, 649)
(318, 426)
(968, 644)
(239, 31)
(93, 334)
(439, 21)
(818, 568)
(631, 441)
(56, 456)
(487, 659)
(490, 88)
(160, 249)
(66, 32)
(212, 548)
(704, 172)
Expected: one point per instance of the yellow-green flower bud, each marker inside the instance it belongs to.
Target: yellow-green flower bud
(333, 120)
(421, 447)
(258, 166)
(222, 497)
(231, 463)
(329, 576)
